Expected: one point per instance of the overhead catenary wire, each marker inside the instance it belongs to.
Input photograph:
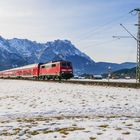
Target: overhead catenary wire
(101, 43)
(102, 28)
(106, 27)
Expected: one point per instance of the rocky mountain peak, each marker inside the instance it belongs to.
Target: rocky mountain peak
(18, 52)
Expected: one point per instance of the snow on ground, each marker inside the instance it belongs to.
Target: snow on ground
(108, 80)
(57, 111)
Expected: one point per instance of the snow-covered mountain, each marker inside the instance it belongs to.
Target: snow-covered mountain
(17, 52)
(9, 56)
(30, 50)
(63, 48)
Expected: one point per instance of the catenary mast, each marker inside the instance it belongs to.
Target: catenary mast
(138, 47)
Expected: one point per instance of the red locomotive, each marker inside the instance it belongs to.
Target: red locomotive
(51, 70)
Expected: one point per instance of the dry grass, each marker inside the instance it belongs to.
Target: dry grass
(118, 128)
(64, 131)
(99, 133)
(6, 133)
(129, 124)
(48, 131)
(103, 125)
(126, 133)
(92, 138)
(34, 133)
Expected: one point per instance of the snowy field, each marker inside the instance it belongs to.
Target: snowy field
(57, 111)
(110, 80)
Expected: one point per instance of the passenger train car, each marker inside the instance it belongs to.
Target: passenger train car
(51, 70)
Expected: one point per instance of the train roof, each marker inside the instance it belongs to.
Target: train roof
(56, 61)
(22, 67)
(34, 65)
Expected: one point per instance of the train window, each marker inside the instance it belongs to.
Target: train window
(43, 67)
(66, 64)
(63, 64)
(47, 66)
(53, 65)
(69, 64)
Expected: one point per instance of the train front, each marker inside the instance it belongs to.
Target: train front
(66, 70)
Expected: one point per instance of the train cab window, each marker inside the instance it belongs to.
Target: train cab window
(66, 64)
(53, 65)
(69, 64)
(43, 67)
(48, 66)
(63, 64)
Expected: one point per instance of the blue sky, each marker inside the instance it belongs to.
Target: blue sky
(89, 24)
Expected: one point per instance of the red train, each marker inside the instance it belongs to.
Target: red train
(51, 70)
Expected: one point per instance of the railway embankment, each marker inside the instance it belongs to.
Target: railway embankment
(94, 83)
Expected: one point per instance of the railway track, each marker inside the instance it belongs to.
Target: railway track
(105, 83)
(94, 83)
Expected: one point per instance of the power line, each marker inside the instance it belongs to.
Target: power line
(102, 43)
(103, 27)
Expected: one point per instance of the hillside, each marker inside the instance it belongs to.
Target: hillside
(125, 73)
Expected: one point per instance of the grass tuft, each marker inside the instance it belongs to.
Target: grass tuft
(92, 138)
(34, 133)
(103, 125)
(126, 133)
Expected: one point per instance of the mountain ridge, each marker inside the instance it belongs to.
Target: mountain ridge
(18, 52)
